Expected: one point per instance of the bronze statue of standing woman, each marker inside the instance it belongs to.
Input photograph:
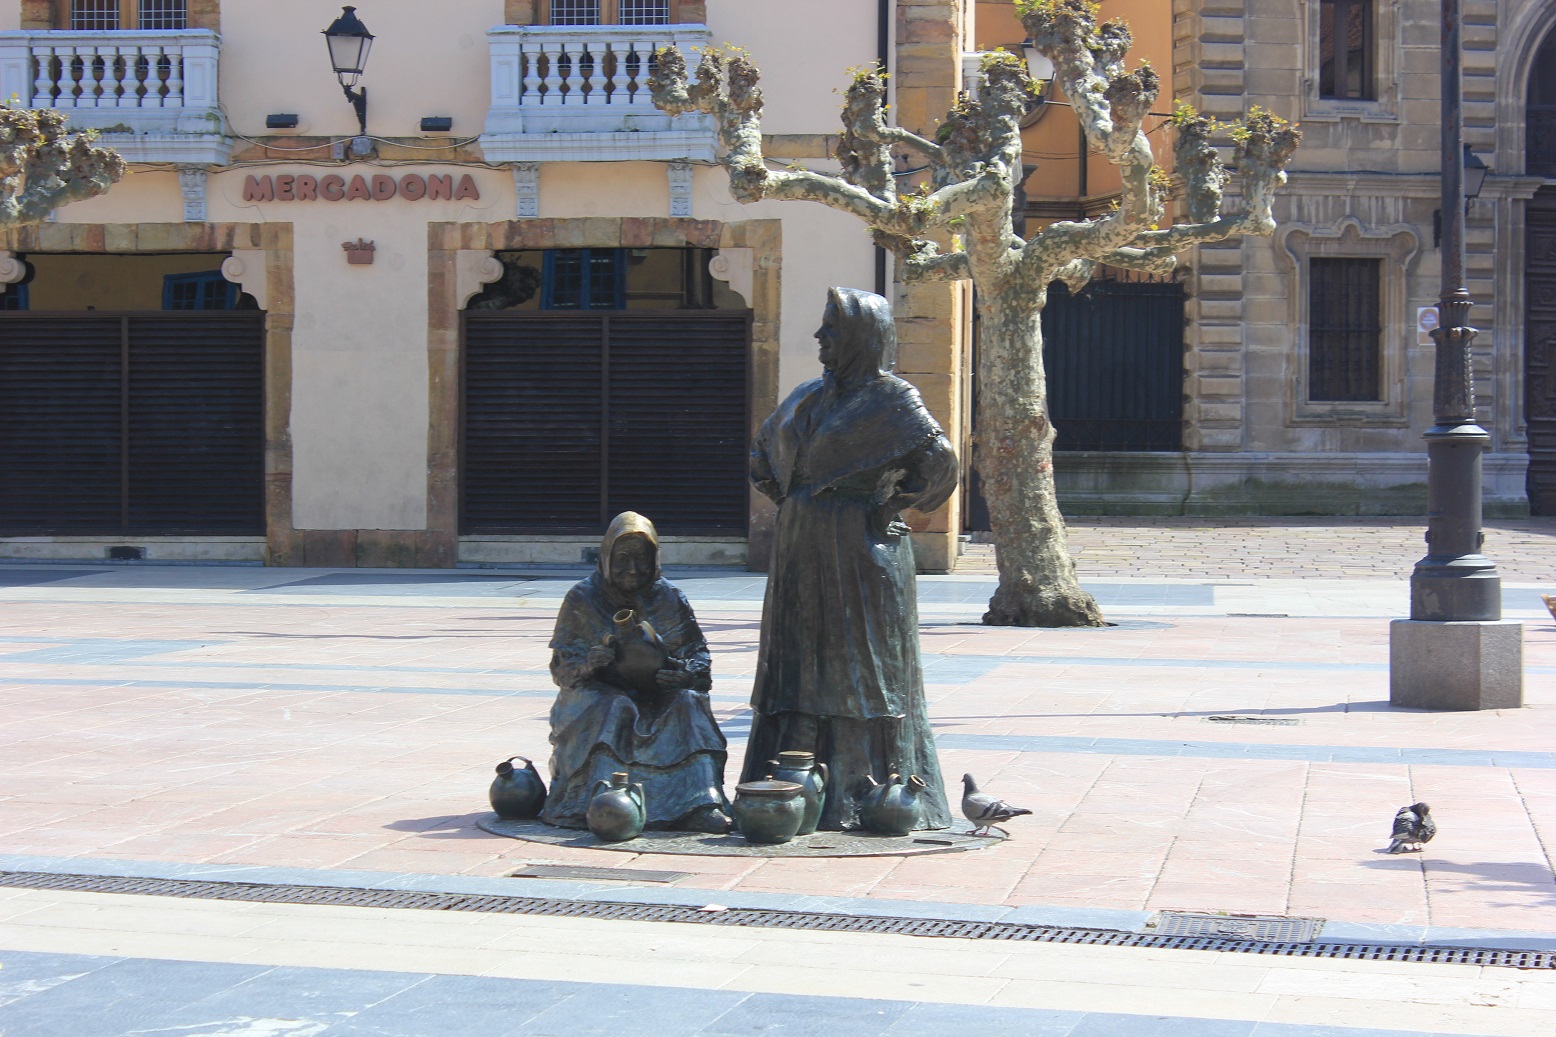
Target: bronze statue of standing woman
(839, 672)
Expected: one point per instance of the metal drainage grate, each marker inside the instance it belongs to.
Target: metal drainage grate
(1272, 721)
(1236, 927)
(942, 927)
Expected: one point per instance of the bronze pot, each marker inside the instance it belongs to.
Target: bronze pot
(769, 812)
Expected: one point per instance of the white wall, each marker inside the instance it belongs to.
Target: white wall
(804, 49)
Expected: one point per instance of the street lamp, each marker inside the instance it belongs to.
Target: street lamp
(1475, 173)
(1455, 652)
(349, 42)
(1041, 70)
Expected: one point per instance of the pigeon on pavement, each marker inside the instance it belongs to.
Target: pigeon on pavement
(983, 810)
(1413, 828)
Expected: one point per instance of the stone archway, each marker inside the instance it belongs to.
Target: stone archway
(458, 262)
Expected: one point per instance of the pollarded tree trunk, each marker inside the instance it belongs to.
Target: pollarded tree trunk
(1013, 453)
(974, 164)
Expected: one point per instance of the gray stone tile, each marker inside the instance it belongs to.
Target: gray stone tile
(777, 1015)
(1108, 1024)
(453, 1006)
(299, 993)
(598, 1010)
(62, 1013)
(940, 1020)
(24, 974)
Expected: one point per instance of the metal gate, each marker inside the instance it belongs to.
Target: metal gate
(1540, 350)
(145, 423)
(570, 418)
(1113, 353)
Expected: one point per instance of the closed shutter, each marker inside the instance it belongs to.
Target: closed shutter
(61, 417)
(134, 424)
(196, 424)
(1114, 357)
(569, 420)
(532, 423)
(678, 420)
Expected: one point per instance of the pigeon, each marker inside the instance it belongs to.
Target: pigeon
(983, 810)
(1413, 828)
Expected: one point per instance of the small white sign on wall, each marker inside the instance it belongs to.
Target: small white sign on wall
(1426, 321)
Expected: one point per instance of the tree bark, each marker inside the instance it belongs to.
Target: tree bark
(1013, 454)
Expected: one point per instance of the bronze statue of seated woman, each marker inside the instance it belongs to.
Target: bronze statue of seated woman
(633, 674)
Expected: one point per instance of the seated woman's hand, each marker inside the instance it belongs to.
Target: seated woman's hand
(672, 678)
(600, 658)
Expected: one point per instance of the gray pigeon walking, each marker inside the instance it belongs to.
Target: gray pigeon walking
(983, 810)
(1413, 828)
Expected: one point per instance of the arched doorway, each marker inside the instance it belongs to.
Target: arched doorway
(1540, 283)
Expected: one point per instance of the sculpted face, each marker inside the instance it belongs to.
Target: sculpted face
(632, 563)
(828, 335)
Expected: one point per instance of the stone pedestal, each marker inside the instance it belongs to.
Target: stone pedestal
(1453, 666)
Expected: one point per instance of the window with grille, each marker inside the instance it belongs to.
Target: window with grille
(575, 12)
(118, 14)
(584, 279)
(94, 14)
(645, 12)
(1345, 329)
(206, 290)
(1345, 50)
(14, 298)
(164, 14)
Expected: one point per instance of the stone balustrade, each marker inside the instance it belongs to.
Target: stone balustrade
(152, 94)
(581, 92)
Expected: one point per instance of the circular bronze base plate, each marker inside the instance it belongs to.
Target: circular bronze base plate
(700, 844)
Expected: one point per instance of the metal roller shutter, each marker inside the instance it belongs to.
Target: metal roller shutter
(132, 424)
(569, 419)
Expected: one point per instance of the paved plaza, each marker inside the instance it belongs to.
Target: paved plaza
(1226, 746)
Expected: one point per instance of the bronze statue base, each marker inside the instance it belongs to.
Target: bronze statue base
(698, 844)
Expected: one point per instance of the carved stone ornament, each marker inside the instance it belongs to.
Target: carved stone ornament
(735, 266)
(680, 189)
(12, 270)
(191, 184)
(526, 185)
(473, 270)
(246, 268)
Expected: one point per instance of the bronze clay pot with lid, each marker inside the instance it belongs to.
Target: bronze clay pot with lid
(770, 811)
(812, 777)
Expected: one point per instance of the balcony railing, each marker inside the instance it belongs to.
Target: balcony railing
(151, 93)
(581, 92)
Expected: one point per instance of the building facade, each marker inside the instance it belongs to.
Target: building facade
(524, 300)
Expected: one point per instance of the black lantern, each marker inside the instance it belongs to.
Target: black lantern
(1475, 172)
(349, 43)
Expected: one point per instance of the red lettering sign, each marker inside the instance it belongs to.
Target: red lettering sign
(380, 187)
(258, 189)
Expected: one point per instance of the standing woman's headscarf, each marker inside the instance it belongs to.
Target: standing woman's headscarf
(867, 336)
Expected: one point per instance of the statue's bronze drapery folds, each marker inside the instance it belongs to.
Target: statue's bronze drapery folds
(605, 719)
(839, 672)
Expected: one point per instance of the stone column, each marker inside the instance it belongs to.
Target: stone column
(932, 346)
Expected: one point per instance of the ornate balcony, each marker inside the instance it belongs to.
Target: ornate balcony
(151, 94)
(580, 93)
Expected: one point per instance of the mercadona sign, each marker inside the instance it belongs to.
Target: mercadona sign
(379, 187)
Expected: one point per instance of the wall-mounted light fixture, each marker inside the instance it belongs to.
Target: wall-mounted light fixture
(349, 42)
(437, 124)
(1475, 173)
(1041, 69)
(280, 122)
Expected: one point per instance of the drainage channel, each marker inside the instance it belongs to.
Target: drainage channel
(341, 896)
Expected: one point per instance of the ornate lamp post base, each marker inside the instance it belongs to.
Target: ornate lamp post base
(1455, 651)
(1456, 666)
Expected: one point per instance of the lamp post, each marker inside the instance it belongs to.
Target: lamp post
(1455, 652)
(349, 41)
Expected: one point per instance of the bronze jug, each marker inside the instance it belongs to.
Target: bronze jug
(811, 776)
(640, 653)
(892, 808)
(768, 812)
(517, 795)
(617, 810)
